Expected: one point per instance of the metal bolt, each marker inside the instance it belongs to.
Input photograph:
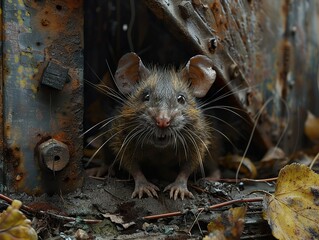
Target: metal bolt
(54, 76)
(234, 71)
(186, 9)
(212, 44)
(54, 155)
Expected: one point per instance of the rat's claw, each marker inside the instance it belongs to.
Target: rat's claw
(178, 189)
(145, 187)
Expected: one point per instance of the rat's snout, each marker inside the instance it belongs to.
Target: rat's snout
(162, 118)
(163, 121)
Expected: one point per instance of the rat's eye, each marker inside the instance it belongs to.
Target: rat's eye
(181, 99)
(146, 97)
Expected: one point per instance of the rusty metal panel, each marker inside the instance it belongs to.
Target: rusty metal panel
(42, 94)
(2, 175)
(269, 44)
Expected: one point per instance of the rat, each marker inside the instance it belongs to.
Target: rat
(161, 122)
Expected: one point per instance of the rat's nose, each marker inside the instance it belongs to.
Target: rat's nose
(163, 122)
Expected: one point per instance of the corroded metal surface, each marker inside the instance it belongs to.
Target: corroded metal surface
(2, 167)
(37, 35)
(269, 44)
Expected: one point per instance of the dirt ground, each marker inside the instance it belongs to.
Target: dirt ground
(121, 217)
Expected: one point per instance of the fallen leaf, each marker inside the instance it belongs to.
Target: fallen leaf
(118, 220)
(312, 127)
(274, 159)
(228, 225)
(232, 162)
(293, 211)
(14, 225)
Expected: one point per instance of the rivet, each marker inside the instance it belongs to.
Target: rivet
(212, 44)
(186, 9)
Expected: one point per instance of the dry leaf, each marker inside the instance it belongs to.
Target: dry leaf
(118, 220)
(274, 159)
(14, 225)
(233, 161)
(312, 127)
(229, 225)
(293, 211)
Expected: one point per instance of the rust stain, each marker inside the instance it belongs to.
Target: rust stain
(48, 20)
(286, 49)
(60, 136)
(66, 139)
(53, 19)
(14, 161)
(220, 19)
(74, 4)
(285, 13)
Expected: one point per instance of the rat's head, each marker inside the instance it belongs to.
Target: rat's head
(161, 102)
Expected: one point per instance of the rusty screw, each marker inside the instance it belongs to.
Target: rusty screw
(54, 155)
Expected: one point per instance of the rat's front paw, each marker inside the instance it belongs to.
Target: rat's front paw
(178, 189)
(145, 187)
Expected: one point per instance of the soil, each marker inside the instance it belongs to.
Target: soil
(122, 217)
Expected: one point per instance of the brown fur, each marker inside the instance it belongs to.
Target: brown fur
(197, 124)
(138, 141)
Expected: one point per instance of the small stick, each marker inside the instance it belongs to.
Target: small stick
(259, 180)
(195, 221)
(23, 207)
(242, 180)
(198, 189)
(173, 214)
(71, 219)
(98, 178)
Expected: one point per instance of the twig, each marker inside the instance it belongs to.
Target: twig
(259, 180)
(173, 214)
(71, 219)
(261, 191)
(196, 221)
(23, 207)
(230, 180)
(46, 213)
(198, 189)
(98, 178)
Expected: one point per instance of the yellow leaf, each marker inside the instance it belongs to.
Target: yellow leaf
(293, 211)
(14, 225)
(228, 225)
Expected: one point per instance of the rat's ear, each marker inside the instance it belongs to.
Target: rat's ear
(129, 71)
(198, 71)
